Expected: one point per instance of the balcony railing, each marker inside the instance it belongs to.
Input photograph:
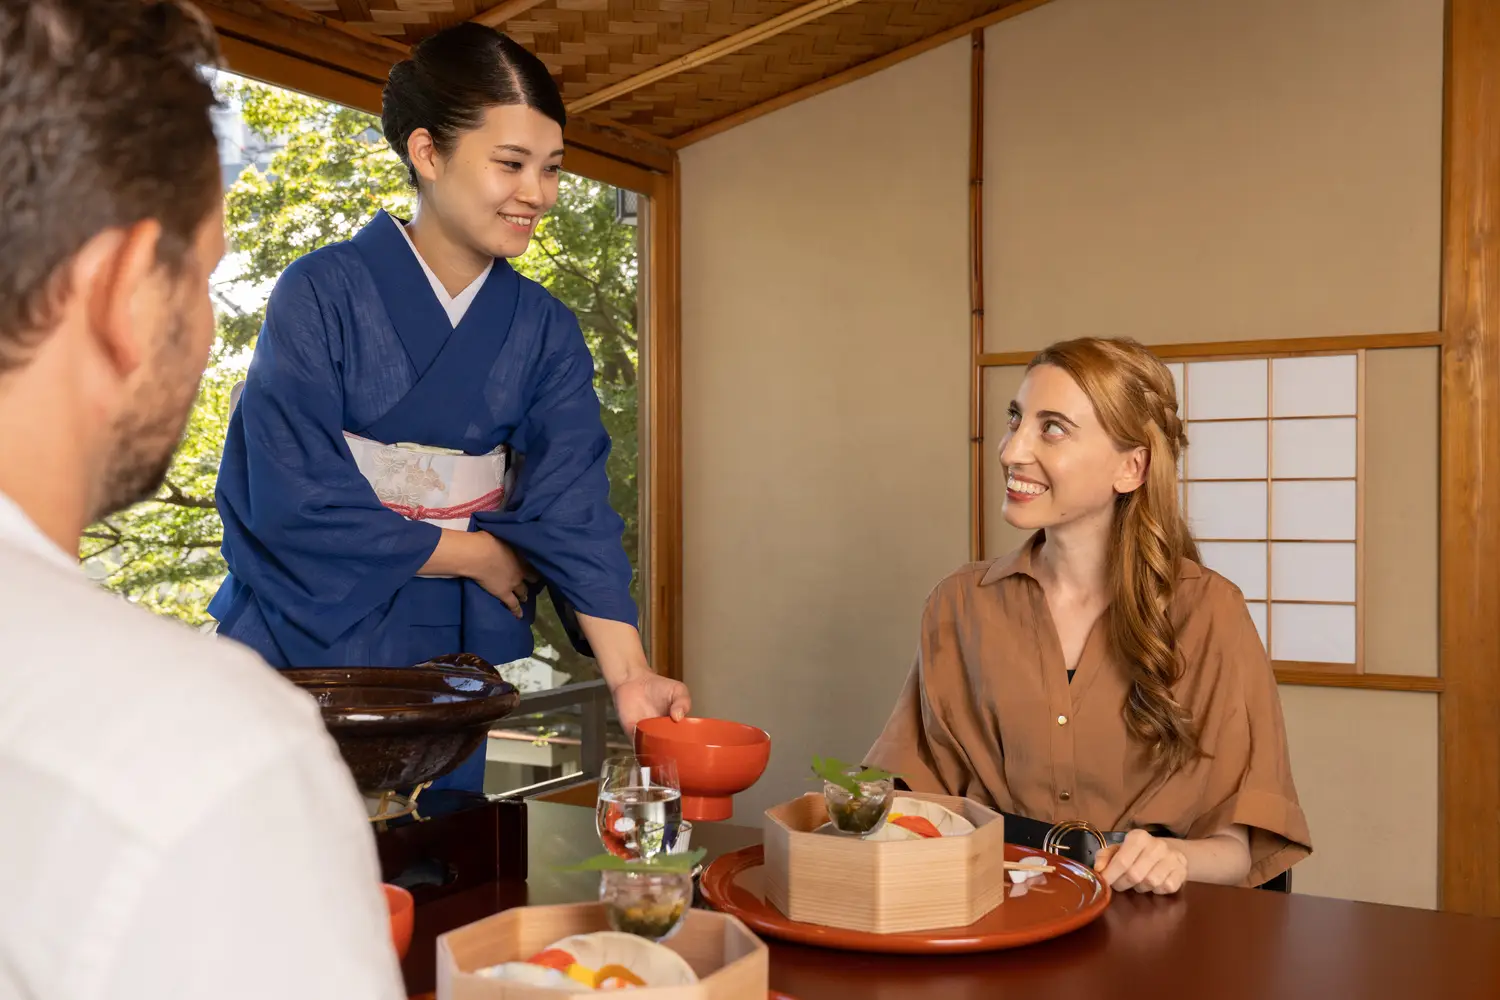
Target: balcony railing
(549, 719)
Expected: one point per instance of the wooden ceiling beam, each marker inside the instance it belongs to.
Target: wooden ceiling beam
(502, 12)
(611, 140)
(856, 72)
(282, 70)
(298, 12)
(794, 18)
(287, 28)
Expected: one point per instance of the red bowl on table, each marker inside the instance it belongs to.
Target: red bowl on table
(716, 759)
(403, 911)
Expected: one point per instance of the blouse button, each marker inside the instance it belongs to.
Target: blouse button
(1062, 720)
(1065, 795)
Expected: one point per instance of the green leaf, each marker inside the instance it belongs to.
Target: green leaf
(667, 863)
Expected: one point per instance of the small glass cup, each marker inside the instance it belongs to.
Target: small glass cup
(682, 842)
(640, 805)
(863, 814)
(648, 904)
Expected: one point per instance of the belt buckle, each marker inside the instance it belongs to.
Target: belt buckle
(1052, 842)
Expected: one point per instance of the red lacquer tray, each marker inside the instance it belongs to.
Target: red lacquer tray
(1060, 902)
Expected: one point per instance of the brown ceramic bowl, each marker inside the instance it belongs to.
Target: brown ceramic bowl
(403, 913)
(402, 726)
(715, 760)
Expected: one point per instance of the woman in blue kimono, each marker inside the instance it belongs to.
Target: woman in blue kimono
(418, 448)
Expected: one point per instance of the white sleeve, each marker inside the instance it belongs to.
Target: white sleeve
(276, 893)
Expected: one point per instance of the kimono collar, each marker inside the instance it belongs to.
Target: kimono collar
(421, 322)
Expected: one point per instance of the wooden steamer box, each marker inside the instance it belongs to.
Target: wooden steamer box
(883, 887)
(731, 962)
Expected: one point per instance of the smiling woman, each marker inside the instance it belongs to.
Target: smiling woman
(419, 450)
(1100, 673)
(478, 123)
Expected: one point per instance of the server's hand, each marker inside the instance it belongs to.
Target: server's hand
(500, 570)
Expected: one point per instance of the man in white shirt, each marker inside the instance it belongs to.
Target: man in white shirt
(176, 821)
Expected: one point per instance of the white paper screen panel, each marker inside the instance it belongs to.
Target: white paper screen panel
(1271, 481)
(1226, 390)
(1258, 616)
(1232, 450)
(1312, 571)
(1314, 633)
(1315, 387)
(1321, 511)
(1227, 510)
(1242, 563)
(1315, 449)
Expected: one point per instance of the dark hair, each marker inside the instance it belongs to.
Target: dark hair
(104, 122)
(452, 77)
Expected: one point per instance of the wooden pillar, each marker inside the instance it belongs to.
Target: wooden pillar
(1470, 503)
(976, 295)
(663, 470)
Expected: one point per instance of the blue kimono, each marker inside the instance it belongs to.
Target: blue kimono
(320, 572)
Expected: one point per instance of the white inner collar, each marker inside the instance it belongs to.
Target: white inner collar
(454, 305)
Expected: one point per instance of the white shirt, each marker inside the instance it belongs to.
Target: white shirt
(177, 823)
(454, 305)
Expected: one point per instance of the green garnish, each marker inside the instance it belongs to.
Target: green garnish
(646, 919)
(676, 864)
(833, 770)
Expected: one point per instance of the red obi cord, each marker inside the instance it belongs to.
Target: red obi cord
(490, 501)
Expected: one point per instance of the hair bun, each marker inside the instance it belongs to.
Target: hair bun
(452, 77)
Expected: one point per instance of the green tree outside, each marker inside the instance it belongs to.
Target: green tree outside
(331, 174)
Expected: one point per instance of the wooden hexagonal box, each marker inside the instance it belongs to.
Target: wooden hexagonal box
(731, 962)
(883, 887)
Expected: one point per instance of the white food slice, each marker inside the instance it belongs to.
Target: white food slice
(948, 822)
(655, 963)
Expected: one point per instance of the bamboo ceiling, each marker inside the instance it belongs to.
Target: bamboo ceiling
(654, 69)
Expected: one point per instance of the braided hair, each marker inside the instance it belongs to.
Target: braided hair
(1136, 400)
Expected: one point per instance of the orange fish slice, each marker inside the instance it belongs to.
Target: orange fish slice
(920, 825)
(553, 958)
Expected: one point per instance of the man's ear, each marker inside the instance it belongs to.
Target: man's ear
(118, 281)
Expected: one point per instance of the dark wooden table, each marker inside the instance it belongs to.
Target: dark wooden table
(1208, 941)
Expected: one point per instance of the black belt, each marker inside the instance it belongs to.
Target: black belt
(1072, 839)
(1077, 842)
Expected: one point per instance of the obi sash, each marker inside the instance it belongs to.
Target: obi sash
(441, 486)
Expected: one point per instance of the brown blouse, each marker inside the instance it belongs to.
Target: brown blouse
(988, 713)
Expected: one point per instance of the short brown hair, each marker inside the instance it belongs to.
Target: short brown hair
(104, 122)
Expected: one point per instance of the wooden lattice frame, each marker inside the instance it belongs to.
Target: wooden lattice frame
(1270, 540)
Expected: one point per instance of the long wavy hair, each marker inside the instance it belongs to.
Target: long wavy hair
(1136, 401)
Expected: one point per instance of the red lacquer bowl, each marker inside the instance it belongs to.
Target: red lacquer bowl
(403, 909)
(716, 759)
